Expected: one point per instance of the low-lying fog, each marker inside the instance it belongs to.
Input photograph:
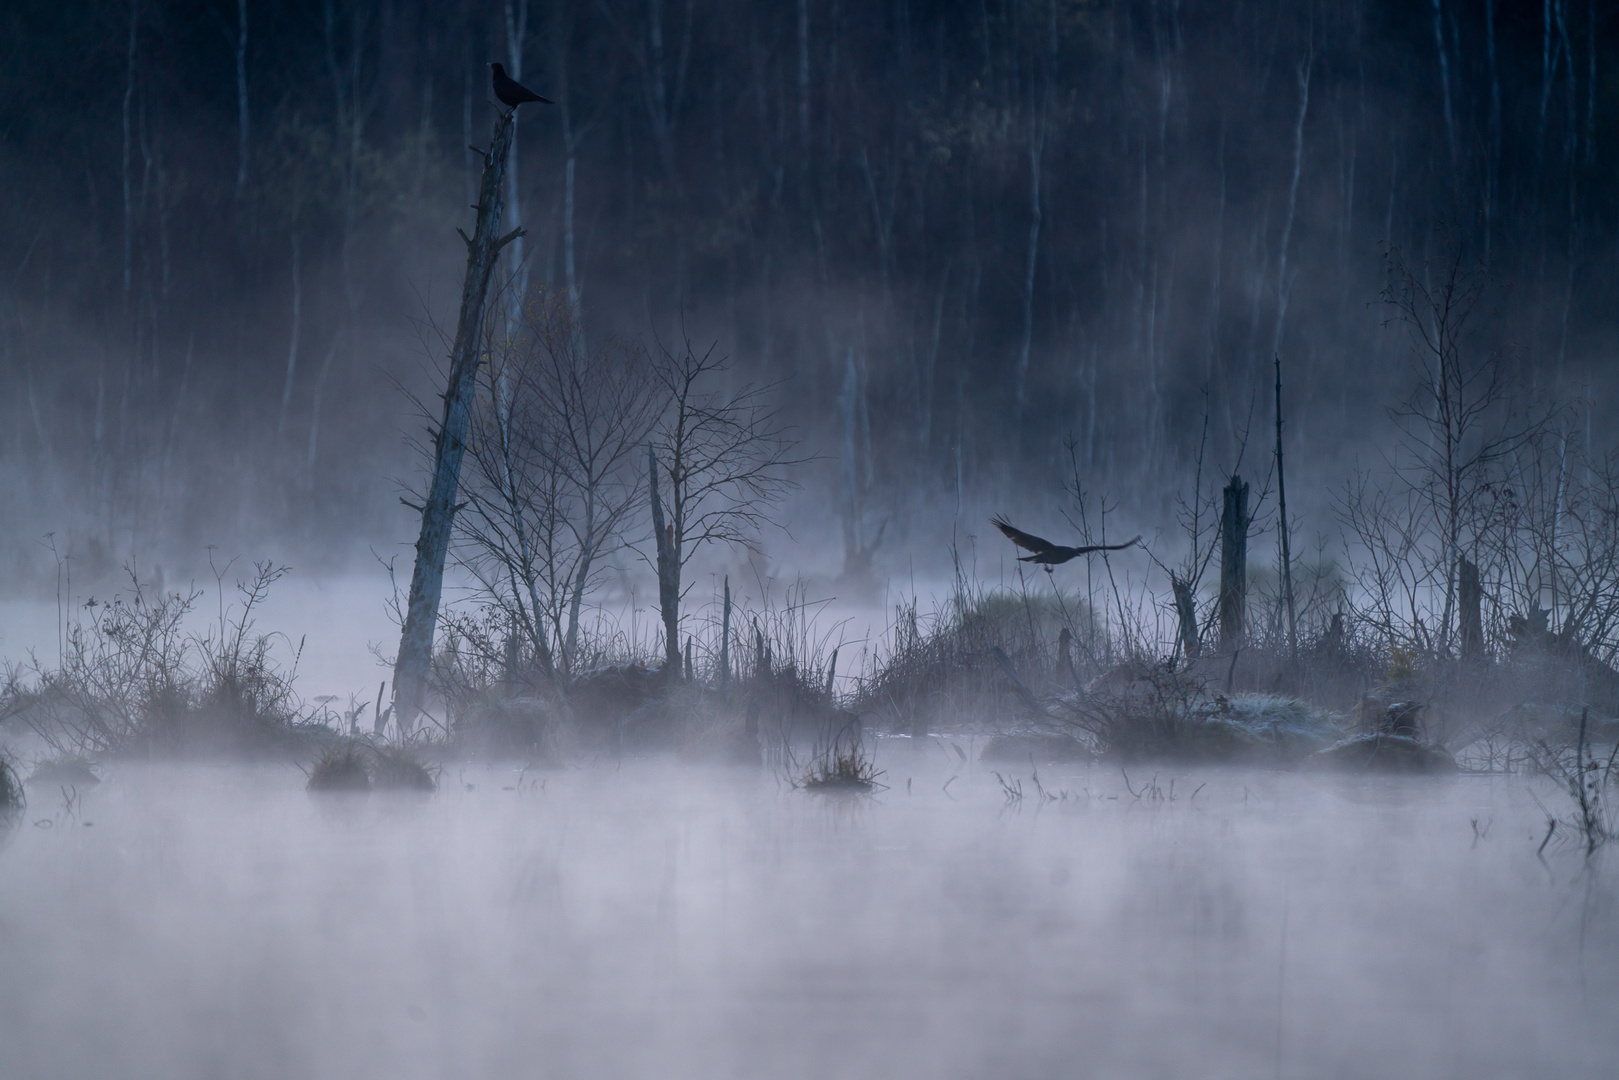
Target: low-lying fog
(647, 919)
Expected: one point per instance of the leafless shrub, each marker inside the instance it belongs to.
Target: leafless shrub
(556, 452)
(723, 460)
(133, 679)
(1484, 557)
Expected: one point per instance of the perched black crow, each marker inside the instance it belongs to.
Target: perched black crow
(511, 92)
(1045, 552)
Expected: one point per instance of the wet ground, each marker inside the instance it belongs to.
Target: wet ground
(647, 919)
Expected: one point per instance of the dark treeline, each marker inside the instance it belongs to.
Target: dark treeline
(964, 233)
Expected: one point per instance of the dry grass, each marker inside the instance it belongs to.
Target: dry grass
(839, 763)
(72, 769)
(941, 670)
(133, 680)
(850, 771)
(401, 768)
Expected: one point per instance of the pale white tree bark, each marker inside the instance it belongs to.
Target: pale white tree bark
(241, 98)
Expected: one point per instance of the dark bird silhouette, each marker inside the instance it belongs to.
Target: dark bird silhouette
(511, 92)
(1048, 554)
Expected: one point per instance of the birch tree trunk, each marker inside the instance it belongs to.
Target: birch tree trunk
(1037, 145)
(241, 98)
(292, 347)
(438, 513)
(516, 34)
(1281, 518)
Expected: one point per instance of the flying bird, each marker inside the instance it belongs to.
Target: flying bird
(1048, 554)
(511, 92)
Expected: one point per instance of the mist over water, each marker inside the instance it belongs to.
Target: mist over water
(646, 919)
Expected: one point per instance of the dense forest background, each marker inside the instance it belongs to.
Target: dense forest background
(981, 244)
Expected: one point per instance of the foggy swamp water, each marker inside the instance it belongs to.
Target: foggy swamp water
(643, 918)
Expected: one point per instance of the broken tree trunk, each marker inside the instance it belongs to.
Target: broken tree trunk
(1186, 612)
(725, 639)
(1470, 594)
(1065, 658)
(438, 512)
(1234, 523)
(1281, 518)
(668, 574)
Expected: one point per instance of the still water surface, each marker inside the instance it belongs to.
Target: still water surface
(648, 919)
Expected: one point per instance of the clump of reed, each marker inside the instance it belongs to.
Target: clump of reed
(401, 768)
(341, 767)
(361, 764)
(75, 769)
(851, 770)
(840, 762)
(751, 683)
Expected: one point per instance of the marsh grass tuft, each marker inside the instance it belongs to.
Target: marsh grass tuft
(72, 769)
(341, 766)
(852, 770)
(841, 763)
(401, 768)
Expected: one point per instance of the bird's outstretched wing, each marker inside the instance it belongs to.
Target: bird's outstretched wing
(1026, 541)
(1107, 547)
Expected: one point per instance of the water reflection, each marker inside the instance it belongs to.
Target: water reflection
(651, 919)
